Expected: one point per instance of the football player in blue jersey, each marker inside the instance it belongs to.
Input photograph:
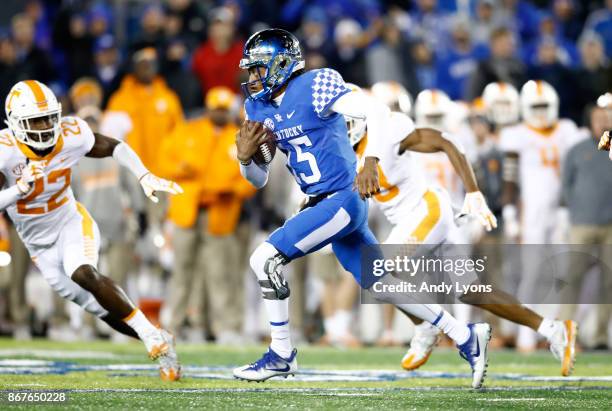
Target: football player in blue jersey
(305, 109)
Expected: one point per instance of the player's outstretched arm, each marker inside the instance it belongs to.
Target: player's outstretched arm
(32, 172)
(107, 146)
(427, 140)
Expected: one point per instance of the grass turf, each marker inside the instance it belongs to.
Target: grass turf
(140, 389)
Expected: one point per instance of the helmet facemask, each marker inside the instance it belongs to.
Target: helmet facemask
(278, 69)
(356, 129)
(502, 112)
(38, 131)
(542, 115)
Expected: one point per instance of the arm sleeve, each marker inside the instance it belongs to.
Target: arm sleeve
(8, 196)
(255, 174)
(128, 158)
(376, 114)
(116, 124)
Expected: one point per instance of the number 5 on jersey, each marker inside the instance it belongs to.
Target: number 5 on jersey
(302, 156)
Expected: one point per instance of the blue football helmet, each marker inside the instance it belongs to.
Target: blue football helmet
(278, 51)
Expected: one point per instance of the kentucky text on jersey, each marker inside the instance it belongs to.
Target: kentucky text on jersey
(289, 132)
(309, 133)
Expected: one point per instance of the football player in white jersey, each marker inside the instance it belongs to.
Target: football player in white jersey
(433, 110)
(535, 150)
(422, 214)
(39, 148)
(501, 104)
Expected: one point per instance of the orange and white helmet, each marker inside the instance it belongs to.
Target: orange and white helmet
(432, 108)
(28, 101)
(356, 126)
(501, 103)
(394, 95)
(539, 104)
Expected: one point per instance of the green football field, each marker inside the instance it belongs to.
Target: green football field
(102, 375)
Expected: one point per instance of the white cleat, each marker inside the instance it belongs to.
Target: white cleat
(426, 337)
(474, 351)
(269, 365)
(161, 347)
(169, 365)
(563, 345)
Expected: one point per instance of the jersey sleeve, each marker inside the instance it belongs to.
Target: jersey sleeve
(116, 124)
(402, 127)
(572, 133)
(510, 140)
(78, 134)
(327, 86)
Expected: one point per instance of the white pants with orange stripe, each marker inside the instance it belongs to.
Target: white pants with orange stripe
(77, 244)
(429, 222)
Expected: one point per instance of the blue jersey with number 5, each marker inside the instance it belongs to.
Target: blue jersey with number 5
(313, 137)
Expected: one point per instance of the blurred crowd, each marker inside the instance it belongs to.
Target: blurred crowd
(164, 77)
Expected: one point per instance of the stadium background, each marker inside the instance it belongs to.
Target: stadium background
(189, 265)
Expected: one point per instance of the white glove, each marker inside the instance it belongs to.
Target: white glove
(152, 184)
(512, 228)
(476, 205)
(32, 172)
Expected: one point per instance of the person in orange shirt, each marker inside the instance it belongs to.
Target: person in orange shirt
(152, 107)
(200, 155)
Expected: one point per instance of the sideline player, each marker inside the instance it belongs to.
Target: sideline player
(39, 148)
(304, 110)
(534, 153)
(423, 215)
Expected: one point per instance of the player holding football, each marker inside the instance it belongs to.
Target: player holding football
(39, 147)
(423, 215)
(305, 111)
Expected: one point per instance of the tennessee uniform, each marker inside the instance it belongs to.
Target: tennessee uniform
(433, 109)
(420, 213)
(423, 215)
(58, 232)
(535, 150)
(540, 155)
(38, 149)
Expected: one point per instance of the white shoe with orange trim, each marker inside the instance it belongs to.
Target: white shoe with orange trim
(169, 365)
(426, 337)
(161, 347)
(563, 345)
